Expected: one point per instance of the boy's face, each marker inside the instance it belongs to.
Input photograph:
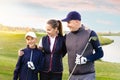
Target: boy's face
(31, 41)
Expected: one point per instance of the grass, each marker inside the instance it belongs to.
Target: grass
(107, 71)
(104, 70)
(10, 43)
(105, 41)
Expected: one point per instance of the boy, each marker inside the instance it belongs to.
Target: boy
(31, 62)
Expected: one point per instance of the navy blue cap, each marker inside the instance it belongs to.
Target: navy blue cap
(73, 15)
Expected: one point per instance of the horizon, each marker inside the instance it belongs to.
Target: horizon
(26, 29)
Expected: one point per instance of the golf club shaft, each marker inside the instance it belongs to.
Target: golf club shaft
(72, 72)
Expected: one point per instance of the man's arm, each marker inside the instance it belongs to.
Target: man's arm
(97, 47)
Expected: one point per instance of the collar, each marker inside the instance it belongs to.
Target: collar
(32, 48)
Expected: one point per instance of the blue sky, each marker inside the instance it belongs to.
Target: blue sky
(99, 15)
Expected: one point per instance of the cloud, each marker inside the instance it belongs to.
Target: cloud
(110, 6)
(35, 13)
(105, 22)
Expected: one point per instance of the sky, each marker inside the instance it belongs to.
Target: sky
(98, 15)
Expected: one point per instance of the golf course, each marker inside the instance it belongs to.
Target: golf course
(11, 42)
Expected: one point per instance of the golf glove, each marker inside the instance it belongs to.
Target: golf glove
(80, 59)
(30, 65)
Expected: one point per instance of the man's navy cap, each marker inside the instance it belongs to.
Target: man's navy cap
(73, 15)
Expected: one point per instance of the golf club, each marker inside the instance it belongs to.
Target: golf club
(91, 38)
(27, 64)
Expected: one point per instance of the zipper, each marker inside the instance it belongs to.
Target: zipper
(51, 55)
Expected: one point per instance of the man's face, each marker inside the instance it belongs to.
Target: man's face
(73, 25)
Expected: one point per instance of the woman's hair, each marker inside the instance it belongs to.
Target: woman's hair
(56, 24)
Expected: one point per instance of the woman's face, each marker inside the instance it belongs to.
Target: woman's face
(51, 31)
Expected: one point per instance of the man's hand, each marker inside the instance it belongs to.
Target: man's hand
(20, 53)
(30, 65)
(80, 59)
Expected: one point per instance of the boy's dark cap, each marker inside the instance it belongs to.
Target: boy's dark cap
(73, 15)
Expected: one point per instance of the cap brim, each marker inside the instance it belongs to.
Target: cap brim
(65, 20)
(30, 36)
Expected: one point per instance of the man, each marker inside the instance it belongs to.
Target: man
(83, 48)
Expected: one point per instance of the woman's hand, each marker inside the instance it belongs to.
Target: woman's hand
(20, 53)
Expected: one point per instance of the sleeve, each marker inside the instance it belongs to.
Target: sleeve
(40, 43)
(64, 47)
(17, 69)
(41, 62)
(97, 48)
(39, 67)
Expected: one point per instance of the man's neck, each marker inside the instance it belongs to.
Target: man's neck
(77, 30)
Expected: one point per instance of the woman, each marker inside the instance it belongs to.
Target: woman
(53, 45)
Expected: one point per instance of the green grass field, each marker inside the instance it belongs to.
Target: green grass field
(10, 43)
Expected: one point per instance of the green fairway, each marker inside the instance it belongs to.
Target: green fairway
(10, 43)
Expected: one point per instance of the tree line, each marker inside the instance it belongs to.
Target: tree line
(19, 29)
